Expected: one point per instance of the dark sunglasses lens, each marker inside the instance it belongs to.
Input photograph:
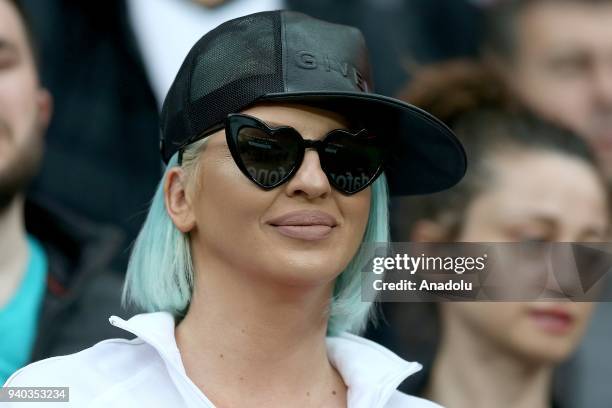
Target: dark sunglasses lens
(269, 158)
(351, 161)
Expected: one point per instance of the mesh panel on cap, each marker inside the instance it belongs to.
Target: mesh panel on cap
(228, 69)
(172, 123)
(246, 49)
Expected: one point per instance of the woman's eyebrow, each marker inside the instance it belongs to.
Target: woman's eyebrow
(542, 218)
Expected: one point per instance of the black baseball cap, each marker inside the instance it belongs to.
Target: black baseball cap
(290, 57)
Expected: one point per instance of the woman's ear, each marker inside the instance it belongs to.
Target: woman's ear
(178, 203)
(44, 101)
(428, 231)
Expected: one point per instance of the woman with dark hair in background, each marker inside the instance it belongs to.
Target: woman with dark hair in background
(527, 181)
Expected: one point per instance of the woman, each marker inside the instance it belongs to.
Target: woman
(528, 181)
(250, 253)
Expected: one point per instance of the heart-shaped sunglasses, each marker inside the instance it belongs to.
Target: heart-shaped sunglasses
(270, 156)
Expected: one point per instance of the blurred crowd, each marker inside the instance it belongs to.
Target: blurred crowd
(525, 84)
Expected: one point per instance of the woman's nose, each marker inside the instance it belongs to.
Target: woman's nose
(310, 180)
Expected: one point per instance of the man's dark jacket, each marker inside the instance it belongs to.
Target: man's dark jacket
(81, 291)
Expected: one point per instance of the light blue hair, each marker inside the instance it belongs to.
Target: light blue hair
(160, 271)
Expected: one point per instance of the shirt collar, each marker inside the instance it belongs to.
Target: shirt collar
(371, 372)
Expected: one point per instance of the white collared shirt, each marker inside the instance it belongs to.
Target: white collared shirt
(148, 371)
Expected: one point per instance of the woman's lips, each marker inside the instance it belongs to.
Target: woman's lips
(305, 232)
(553, 320)
(305, 225)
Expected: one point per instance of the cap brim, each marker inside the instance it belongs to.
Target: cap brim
(425, 155)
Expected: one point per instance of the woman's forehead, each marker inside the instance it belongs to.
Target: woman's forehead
(528, 184)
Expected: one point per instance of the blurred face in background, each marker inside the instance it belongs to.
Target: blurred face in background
(24, 107)
(562, 68)
(528, 202)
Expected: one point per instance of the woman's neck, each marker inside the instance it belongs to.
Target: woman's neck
(471, 372)
(258, 344)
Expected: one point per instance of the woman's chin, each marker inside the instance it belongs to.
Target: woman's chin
(536, 347)
(303, 269)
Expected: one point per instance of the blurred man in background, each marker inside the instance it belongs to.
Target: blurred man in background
(51, 262)
(556, 55)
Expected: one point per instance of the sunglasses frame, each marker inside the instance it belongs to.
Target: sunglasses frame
(235, 122)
